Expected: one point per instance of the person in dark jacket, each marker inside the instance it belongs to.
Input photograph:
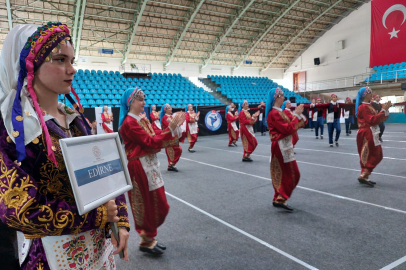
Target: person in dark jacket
(378, 107)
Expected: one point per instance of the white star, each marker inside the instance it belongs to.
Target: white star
(394, 33)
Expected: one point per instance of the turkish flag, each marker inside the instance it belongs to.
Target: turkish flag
(388, 32)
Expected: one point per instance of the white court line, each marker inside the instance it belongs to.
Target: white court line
(391, 147)
(343, 153)
(325, 151)
(394, 264)
(246, 234)
(354, 131)
(303, 141)
(353, 139)
(315, 141)
(304, 162)
(321, 141)
(304, 188)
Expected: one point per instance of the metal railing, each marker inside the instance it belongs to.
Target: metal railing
(357, 80)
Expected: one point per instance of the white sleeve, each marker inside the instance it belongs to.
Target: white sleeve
(386, 112)
(177, 132)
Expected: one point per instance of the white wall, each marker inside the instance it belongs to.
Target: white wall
(186, 70)
(355, 30)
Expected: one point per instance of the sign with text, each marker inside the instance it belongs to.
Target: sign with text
(97, 169)
(105, 51)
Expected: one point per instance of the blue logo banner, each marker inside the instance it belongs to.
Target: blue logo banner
(213, 120)
(90, 174)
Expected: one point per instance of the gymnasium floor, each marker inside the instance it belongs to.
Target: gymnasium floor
(222, 217)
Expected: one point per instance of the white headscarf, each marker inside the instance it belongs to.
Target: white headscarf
(9, 71)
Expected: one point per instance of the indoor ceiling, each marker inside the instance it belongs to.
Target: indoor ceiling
(271, 34)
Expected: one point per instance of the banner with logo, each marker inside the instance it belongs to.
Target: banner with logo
(388, 32)
(212, 122)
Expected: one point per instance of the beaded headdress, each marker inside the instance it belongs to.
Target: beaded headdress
(360, 97)
(278, 92)
(272, 95)
(125, 102)
(136, 94)
(187, 107)
(37, 50)
(163, 110)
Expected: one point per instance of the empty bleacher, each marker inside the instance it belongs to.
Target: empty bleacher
(252, 89)
(99, 88)
(388, 72)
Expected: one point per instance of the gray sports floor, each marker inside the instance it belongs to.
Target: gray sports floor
(222, 217)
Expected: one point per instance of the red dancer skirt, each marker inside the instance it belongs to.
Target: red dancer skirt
(149, 208)
(285, 176)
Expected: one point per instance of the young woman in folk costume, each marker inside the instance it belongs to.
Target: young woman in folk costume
(192, 128)
(286, 107)
(172, 152)
(107, 120)
(248, 139)
(233, 130)
(148, 200)
(368, 143)
(284, 170)
(35, 192)
(155, 119)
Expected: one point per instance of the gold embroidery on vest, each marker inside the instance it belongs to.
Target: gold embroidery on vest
(276, 173)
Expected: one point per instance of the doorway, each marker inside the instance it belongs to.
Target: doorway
(299, 81)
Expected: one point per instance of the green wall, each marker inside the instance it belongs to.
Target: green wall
(396, 118)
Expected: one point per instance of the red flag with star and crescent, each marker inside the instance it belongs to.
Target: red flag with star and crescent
(388, 32)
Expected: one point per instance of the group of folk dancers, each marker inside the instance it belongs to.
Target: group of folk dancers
(317, 112)
(36, 196)
(283, 124)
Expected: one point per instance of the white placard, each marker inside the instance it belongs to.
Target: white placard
(315, 115)
(97, 169)
(98, 112)
(83, 59)
(330, 117)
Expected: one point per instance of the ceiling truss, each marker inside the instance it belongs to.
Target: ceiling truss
(270, 33)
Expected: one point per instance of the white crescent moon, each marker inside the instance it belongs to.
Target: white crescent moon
(391, 9)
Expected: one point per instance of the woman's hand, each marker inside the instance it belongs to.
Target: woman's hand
(123, 235)
(387, 105)
(112, 211)
(177, 120)
(299, 109)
